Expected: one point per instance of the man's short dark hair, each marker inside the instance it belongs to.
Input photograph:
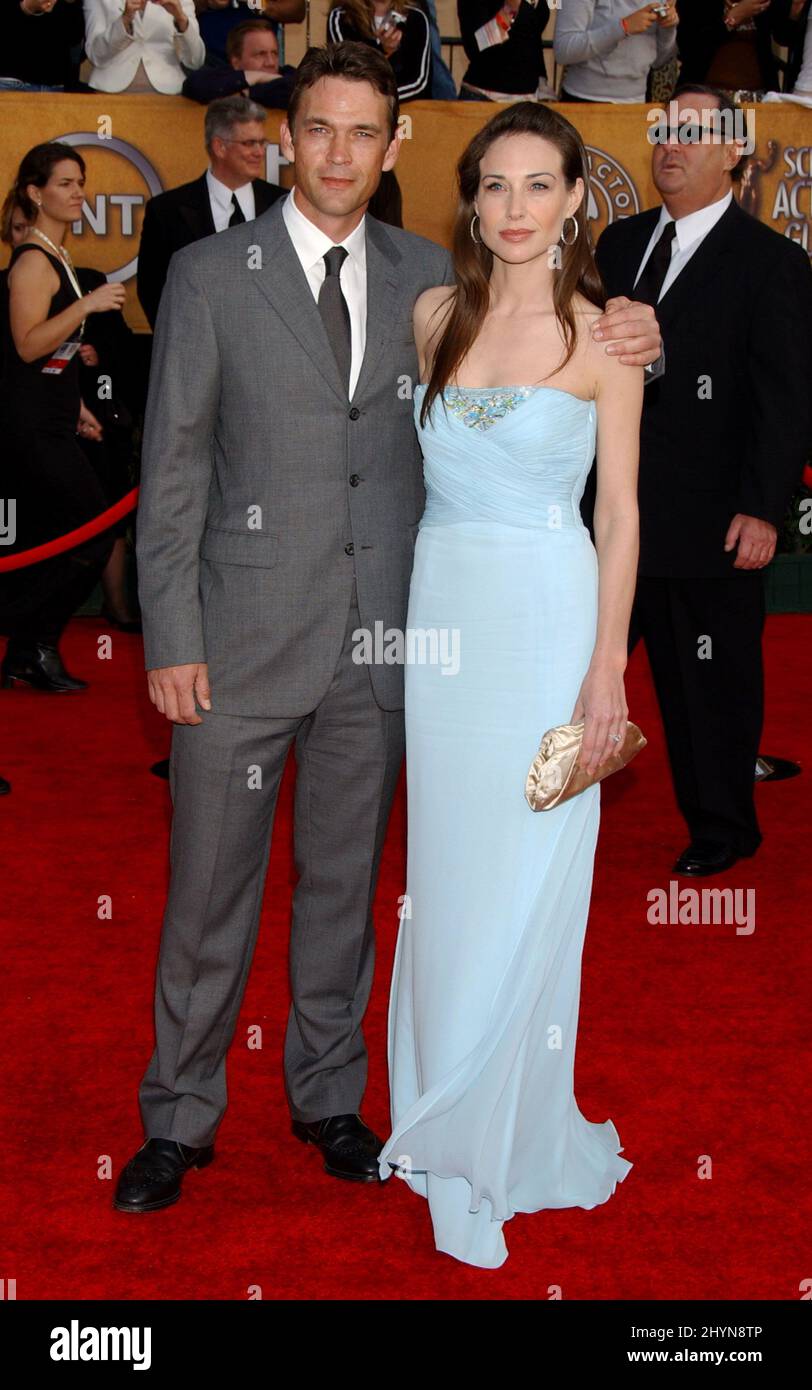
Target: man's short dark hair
(727, 105)
(355, 62)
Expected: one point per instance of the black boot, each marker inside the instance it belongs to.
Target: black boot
(37, 665)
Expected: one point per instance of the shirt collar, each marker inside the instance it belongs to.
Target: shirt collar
(695, 224)
(311, 242)
(220, 192)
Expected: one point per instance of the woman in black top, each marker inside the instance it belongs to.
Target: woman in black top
(398, 29)
(45, 470)
(728, 43)
(512, 67)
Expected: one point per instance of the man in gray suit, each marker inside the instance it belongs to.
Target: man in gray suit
(280, 497)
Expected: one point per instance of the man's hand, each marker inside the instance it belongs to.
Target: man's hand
(172, 690)
(389, 37)
(756, 540)
(630, 330)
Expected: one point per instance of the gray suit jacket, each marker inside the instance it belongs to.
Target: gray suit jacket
(258, 473)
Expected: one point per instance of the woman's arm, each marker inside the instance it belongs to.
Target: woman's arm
(32, 283)
(578, 38)
(428, 324)
(411, 60)
(105, 34)
(189, 46)
(601, 700)
(338, 27)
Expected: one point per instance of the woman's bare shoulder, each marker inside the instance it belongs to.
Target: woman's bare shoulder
(428, 303)
(31, 268)
(585, 309)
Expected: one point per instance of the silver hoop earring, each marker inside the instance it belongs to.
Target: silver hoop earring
(562, 238)
(477, 239)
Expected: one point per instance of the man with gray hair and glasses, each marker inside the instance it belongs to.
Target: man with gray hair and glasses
(231, 190)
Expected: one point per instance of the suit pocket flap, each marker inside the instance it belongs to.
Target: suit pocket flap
(238, 547)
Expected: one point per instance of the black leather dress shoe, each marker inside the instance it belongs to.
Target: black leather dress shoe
(706, 857)
(349, 1146)
(39, 666)
(153, 1177)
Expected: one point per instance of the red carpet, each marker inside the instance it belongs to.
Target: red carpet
(690, 1039)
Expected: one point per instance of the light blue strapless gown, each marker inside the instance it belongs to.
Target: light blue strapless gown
(484, 999)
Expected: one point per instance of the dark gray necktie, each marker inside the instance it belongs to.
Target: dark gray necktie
(237, 215)
(334, 312)
(647, 289)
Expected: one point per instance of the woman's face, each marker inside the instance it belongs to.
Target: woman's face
(523, 198)
(19, 226)
(62, 196)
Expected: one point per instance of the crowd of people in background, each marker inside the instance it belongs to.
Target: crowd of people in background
(609, 50)
(228, 56)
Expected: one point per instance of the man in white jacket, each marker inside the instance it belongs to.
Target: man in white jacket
(139, 45)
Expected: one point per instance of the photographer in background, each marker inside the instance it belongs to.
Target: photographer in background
(502, 40)
(399, 30)
(609, 49)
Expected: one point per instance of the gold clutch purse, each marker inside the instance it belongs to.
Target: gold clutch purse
(554, 774)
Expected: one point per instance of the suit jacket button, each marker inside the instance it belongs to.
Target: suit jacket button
(349, 549)
(354, 480)
(354, 413)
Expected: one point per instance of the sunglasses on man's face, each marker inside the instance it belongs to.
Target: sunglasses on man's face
(687, 133)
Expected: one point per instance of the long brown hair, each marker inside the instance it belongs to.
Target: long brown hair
(360, 14)
(466, 309)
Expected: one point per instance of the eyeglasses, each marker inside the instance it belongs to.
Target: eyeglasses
(689, 133)
(249, 144)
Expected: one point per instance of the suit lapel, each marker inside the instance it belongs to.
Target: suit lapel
(382, 294)
(284, 284)
(702, 266)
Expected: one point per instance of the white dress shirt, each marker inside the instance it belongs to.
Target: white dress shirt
(221, 204)
(690, 233)
(310, 244)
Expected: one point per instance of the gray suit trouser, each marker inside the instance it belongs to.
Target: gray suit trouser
(348, 756)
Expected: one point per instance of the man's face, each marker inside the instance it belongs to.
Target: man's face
(242, 161)
(259, 53)
(696, 172)
(340, 146)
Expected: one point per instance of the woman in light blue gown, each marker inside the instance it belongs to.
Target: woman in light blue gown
(508, 634)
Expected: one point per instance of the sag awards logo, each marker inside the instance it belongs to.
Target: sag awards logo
(612, 194)
(115, 217)
(790, 202)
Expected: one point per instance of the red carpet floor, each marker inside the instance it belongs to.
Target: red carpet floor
(693, 1039)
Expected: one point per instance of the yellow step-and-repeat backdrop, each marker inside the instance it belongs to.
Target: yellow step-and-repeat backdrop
(136, 146)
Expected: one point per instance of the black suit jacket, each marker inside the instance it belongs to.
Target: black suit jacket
(174, 219)
(728, 426)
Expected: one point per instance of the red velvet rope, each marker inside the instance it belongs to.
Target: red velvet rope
(67, 542)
